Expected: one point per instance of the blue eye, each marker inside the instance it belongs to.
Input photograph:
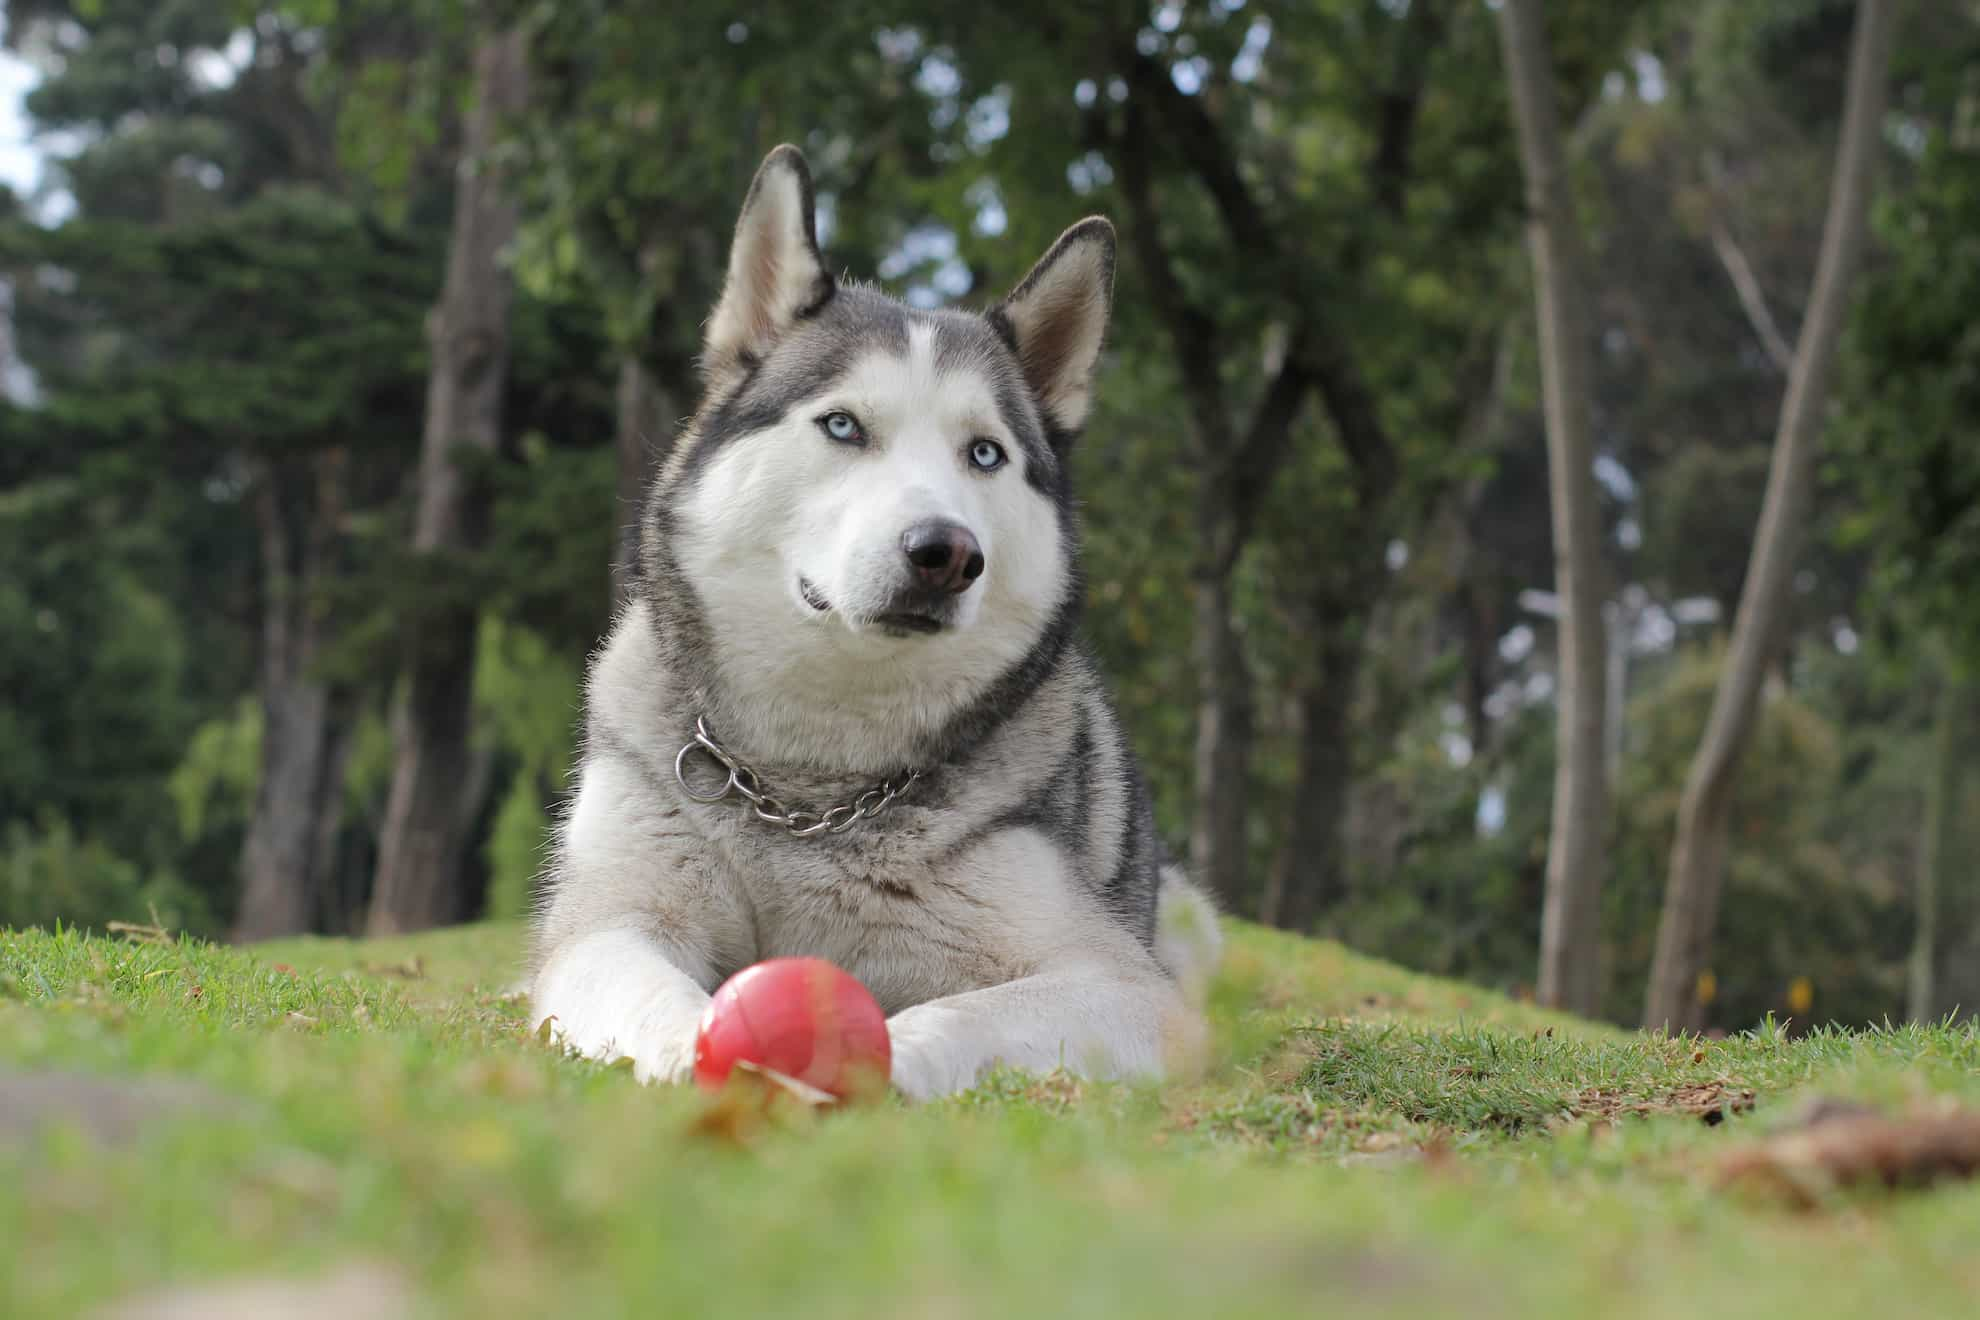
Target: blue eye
(986, 455)
(842, 427)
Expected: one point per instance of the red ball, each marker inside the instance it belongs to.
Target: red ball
(801, 1018)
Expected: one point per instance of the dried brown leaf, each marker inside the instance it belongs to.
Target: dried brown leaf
(1840, 1147)
(754, 1101)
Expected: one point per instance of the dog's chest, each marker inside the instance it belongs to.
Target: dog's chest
(908, 934)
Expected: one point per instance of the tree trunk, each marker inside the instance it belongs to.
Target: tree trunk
(1570, 925)
(305, 719)
(1307, 875)
(327, 860)
(1941, 792)
(1223, 743)
(422, 844)
(1691, 895)
(645, 412)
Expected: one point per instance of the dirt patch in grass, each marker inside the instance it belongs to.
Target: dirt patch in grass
(1710, 1102)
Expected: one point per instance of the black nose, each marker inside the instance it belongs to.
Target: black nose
(945, 555)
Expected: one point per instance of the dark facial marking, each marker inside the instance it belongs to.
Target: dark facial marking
(803, 365)
(965, 342)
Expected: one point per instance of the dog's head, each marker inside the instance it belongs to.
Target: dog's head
(871, 508)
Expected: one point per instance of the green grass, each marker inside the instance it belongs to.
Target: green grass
(384, 1104)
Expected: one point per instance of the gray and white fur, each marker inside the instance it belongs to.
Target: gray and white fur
(861, 559)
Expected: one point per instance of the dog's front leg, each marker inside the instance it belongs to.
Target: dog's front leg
(616, 994)
(1101, 1022)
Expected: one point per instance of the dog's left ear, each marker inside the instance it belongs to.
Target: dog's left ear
(1056, 318)
(776, 274)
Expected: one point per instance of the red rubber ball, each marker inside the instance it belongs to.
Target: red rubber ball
(801, 1017)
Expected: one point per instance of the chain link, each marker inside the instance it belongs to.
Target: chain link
(799, 822)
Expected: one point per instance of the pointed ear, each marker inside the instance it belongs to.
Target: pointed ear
(776, 274)
(1056, 318)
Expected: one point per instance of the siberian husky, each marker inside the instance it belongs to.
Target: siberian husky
(846, 713)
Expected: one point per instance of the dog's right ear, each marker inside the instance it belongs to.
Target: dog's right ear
(776, 274)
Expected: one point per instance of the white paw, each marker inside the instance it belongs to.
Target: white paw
(927, 1064)
(611, 996)
(667, 1057)
(668, 1061)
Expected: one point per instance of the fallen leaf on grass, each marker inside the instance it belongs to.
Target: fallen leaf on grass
(755, 1100)
(1838, 1147)
(803, 1092)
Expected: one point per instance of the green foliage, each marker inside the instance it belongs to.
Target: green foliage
(1794, 906)
(238, 306)
(1912, 449)
(525, 691)
(287, 322)
(49, 876)
(95, 665)
(229, 350)
(1454, 896)
(214, 785)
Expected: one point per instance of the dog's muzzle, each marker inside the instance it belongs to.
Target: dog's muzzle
(945, 556)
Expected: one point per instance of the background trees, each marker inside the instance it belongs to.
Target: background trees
(1691, 900)
(1316, 486)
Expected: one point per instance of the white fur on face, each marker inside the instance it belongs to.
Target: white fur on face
(788, 503)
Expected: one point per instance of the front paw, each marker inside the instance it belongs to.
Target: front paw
(927, 1063)
(915, 1075)
(667, 1061)
(656, 1056)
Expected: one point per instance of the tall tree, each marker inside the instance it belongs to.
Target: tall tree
(422, 845)
(1571, 915)
(1911, 452)
(1691, 895)
(306, 716)
(1343, 584)
(242, 328)
(1951, 721)
(1284, 312)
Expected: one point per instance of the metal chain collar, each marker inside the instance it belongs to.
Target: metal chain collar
(799, 822)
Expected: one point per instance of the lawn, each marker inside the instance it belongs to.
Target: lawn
(373, 1125)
